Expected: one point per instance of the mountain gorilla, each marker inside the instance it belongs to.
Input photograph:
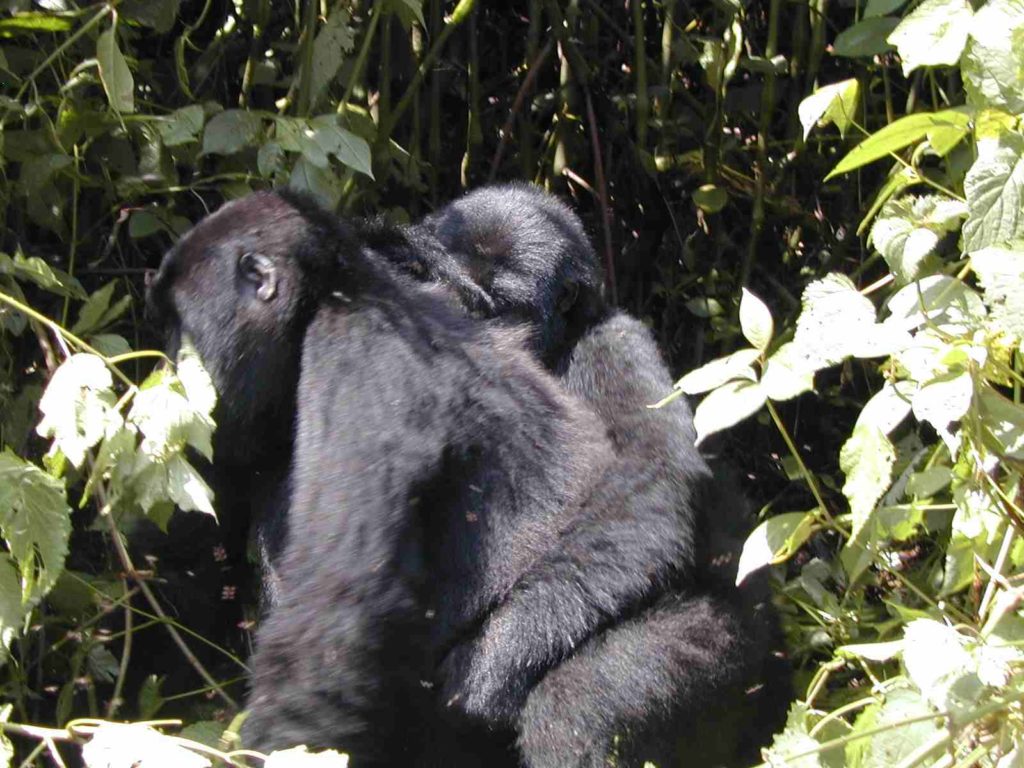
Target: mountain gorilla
(521, 255)
(439, 481)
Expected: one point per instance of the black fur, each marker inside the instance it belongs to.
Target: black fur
(703, 646)
(440, 485)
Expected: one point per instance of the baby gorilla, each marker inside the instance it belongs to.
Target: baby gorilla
(437, 478)
(529, 257)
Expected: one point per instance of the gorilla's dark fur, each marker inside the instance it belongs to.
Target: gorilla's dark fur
(472, 565)
(530, 259)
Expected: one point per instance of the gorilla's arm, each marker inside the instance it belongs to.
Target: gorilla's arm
(350, 585)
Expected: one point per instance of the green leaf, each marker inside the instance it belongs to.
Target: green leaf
(994, 188)
(350, 150)
(944, 400)
(774, 541)
(12, 612)
(786, 375)
(756, 321)
(182, 126)
(897, 135)
(335, 39)
(78, 406)
(35, 521)
(908, 230)
(42, 274)
(865, 38)
(866, 459)
(320, 183)
(730, 404)
(716, 373)
(168, 420)
(893, 740)
(837, 322)
(1001, 273)
(795, 739)
(300, 757)
(114, 73)
(938, 300)
(872, 651)
(186, 488)
(1003, 423)
(882, 7)
(229, 131)
(35, 22)
(408, 11)
(135, 744)
(836, 103)
(933, 34)
(97, 313)
(158, 14)
(710, 198)
(991, 64)
(887, 409)
(270, 160)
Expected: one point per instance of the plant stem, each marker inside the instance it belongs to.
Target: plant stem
(812, 484)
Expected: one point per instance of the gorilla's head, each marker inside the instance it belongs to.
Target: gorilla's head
(530, 254)
(242, 284)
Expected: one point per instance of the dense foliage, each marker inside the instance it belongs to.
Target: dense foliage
(857, 168)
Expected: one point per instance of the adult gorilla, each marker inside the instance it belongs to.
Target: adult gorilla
(515, 253)
(437, 475)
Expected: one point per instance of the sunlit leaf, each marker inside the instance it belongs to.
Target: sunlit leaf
(994, 188)
(730, 404)
(774, 541)
(118, 744)
(755, 321)
(908, 230)
(300, 757)
(35, 522)
(933, 34)
(77, 406)
(991, 62)
(786, 374)
(737, 365)
(897, 135)
(866, 459)
(835, 103)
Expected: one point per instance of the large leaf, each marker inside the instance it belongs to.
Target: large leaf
(1001, 272)
(994, 188)
(181, 126)
(114, 73)
(893, 740)
(322, 183)
(865, 38)
(730, 404)
(35, 521)
(991, 65)
(42, 274)
(835, 103)
(78, 406)
(737, 365)
(231, 130)
(899, 134)
(934, 33)
(350, 150)
(866, 459)
(908, 230)
(774, 541)
(335, 39)
(158, 14)
(756, 321)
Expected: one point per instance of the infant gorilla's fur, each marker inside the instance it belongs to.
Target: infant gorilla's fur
(440, 484)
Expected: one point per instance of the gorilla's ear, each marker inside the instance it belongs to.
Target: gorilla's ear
(567, 299)
(259, 270)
